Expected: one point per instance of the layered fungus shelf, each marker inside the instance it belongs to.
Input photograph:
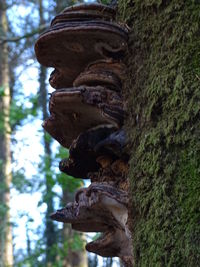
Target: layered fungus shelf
(86, 47)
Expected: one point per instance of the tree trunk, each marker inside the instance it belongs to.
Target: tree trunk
(92, 260)
(162, 91)
(6, 248)
(50, 233)
(108, 262)
(74, 257)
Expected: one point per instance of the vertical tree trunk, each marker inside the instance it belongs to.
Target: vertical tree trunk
(50, 233)
(6, 249)
(92, 260)
(108, 262)
(74, 258)
(28, 241)
(163, 95)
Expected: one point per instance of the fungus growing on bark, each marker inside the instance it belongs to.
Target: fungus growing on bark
(108, 73)
(114, 144)
(100, 208)
(98, 141)
(87, 111)
(85, 12)
(67, 48)
(75, 110)
(78, 164)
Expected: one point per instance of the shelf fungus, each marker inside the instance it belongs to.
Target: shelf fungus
(72, 42)
(86, 47)
(100, 208)
(75, 110)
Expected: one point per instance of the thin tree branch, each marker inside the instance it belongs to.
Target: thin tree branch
(27, 35)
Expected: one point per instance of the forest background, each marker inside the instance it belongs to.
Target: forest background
(162, 92)
(31, 186)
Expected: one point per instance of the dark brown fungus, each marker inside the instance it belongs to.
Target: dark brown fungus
(76, 110)
(116, 144)
(113, 243)
(85, 12)
(82, 219)
(78, 164)
(101, 140)
(96, 204)
(114, 66)
(106, 73)
(100, 208)
(67, 48)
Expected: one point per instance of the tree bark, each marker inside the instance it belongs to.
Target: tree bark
(108, 262)
(6, 248)
(78, 257)
(50, 233)
(162, 91)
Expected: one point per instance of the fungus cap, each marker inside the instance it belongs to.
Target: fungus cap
(100, 208)
(85, 11)
(70, 47)
(75, 110)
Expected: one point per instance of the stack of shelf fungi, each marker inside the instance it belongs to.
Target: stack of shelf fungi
(86, 48)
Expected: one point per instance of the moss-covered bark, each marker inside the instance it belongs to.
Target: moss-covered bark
(163, 93)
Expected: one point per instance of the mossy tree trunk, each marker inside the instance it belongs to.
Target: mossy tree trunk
(163, 95)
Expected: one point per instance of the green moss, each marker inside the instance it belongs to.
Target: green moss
(163, 95)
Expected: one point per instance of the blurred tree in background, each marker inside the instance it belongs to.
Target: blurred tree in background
(6, 250)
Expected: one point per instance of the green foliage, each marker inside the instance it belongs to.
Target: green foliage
(96, 236)
(163, 95)
(1, 123)
(67, 182)
(20, 182)
(18, 112)
(35, 258)
(2, 91)
(47, 137)
(3, 211)
(63, 251)
(48, 181)
(105, 2)
(74, 244)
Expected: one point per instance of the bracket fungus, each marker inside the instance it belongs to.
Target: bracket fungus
(78, 165)
(75, 110)
(72, 42)
(108, 73)
(100, 208)
(86, 48)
